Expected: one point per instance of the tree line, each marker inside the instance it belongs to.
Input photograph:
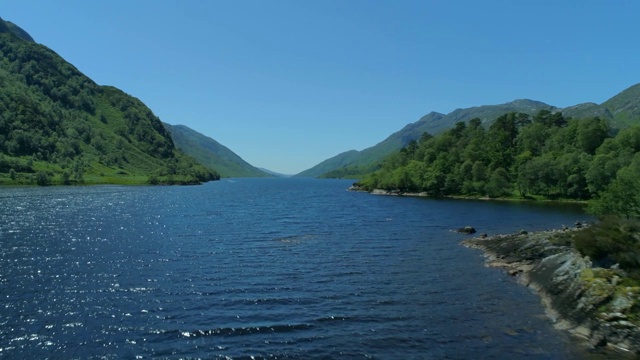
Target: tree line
(541, 156)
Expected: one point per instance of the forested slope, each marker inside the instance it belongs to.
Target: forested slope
(356, 163)
(58, 126)
(543, 156)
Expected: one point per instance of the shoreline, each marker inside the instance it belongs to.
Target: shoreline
(460, 197)
(589, 302)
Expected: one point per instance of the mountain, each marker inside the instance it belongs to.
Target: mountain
(354, 163)
(276, 174)
(57, 126)
(211, 153)
(625, 107)
(587, 110)
(339, 161)
(621, 111)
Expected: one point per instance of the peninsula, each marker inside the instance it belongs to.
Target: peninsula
(594, 297)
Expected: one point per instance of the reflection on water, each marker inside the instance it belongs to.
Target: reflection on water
(286, 268)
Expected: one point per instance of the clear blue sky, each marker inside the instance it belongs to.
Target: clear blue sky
(287, 84)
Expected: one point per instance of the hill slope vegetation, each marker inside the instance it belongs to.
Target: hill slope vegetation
(620, 111)
(57, 126)
(355, 163)
(211, 153)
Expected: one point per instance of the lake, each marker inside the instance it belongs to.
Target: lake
(263, 268)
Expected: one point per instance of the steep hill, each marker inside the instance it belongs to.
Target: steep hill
(59, 126)
(357, 162)
(211, 153)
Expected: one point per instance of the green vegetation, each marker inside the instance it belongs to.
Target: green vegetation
(58, 127)
(353, 163)
(613, 240)
(621, 111)
(544, 156)
(351, 172)
(211, 154)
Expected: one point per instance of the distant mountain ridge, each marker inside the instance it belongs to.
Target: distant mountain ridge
(621, 110)
(433, 123)
(274, 173)
(211, 153)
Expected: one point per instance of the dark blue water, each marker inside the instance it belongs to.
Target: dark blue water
(262, 268)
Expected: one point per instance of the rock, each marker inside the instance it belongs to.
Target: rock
(379, 192)
(613, 316)
(588, 301)
(514, 272)
(467, 230)
(483, 235)
(598, 340)
(622, 302)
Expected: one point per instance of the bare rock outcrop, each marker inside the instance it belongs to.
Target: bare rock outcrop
(588, 301)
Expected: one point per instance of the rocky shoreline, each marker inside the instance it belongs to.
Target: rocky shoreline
(590, 302)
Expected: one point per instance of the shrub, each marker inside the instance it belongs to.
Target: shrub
(42, 178)
(612, 240)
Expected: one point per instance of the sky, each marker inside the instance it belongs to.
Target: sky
(286, 84)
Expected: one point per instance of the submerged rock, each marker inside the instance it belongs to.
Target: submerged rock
(589, 302)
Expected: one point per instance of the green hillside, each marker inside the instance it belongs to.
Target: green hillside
(57, 126)
(625, 107)
(620, 111)
(339, 161)
(211, 153)
(545, 155)
(355, 164)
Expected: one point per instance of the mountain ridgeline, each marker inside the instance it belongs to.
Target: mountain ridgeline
(57, 126)
(211, 153)
(620, 111)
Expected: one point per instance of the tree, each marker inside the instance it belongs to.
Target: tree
(78, 170)
(501, 141)
(66, 177)
(549, 119)
(591, 134)
(479, 171)
(532, 138)
(410, 149)
(42, 178)
(499, 184)
(622, 196)
(458, 129)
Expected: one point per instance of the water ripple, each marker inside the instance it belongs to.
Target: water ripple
(260, 269)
